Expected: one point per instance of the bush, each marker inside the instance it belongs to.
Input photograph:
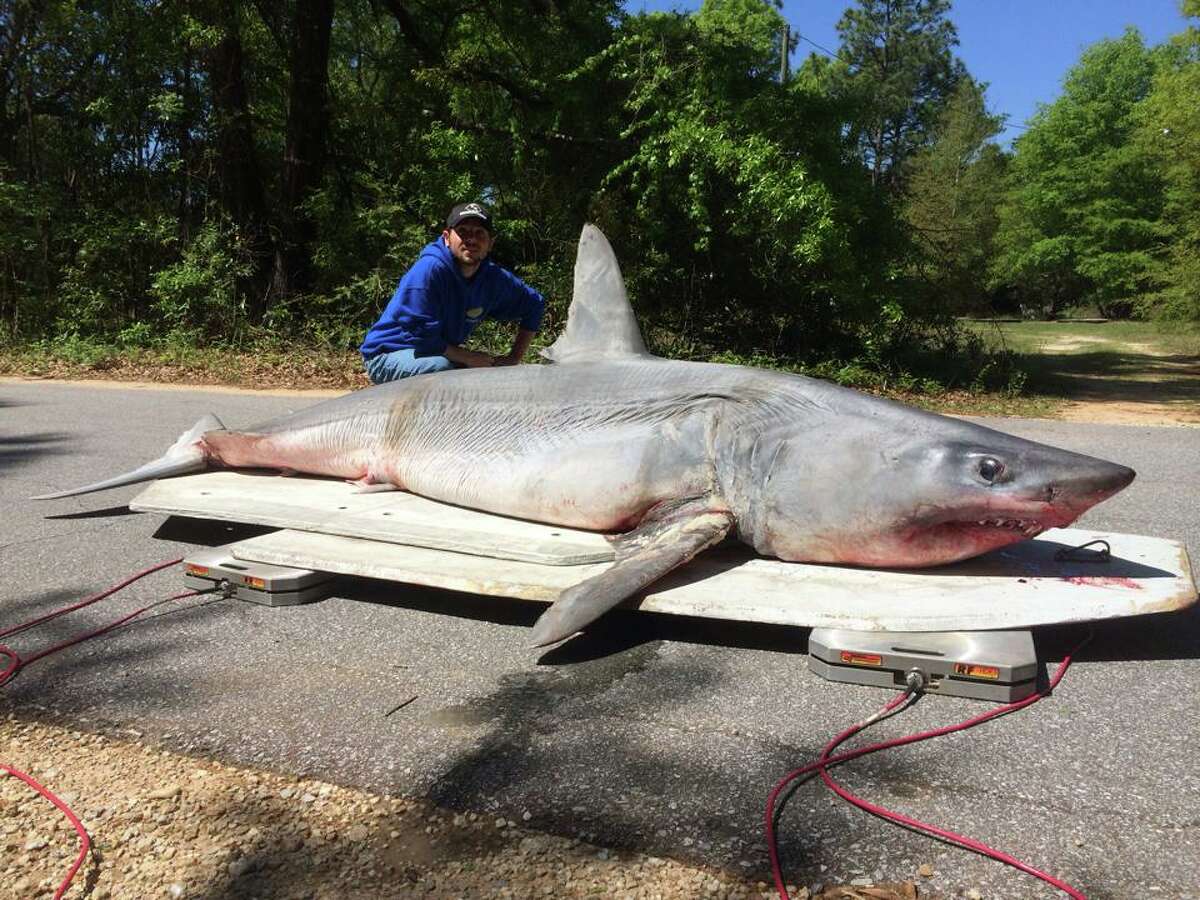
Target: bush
(199, 295)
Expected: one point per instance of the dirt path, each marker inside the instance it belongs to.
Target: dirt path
(1130, 412)
(1122, 383)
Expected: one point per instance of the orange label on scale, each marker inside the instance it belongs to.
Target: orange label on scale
(973, 670)
(861, 659)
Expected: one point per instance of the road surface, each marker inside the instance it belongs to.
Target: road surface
(652, 733)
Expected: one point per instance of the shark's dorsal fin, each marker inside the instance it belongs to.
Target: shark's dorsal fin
(600, 322)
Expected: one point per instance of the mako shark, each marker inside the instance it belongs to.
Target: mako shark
(672, 456)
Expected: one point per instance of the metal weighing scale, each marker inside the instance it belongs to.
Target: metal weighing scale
(984, 665)
(254, 581)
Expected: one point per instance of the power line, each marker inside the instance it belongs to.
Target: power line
(832, 55)
(824, 50)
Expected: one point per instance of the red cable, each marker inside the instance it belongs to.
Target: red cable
(85, 842)
(16, 663)
(826, 760)
(88, 601)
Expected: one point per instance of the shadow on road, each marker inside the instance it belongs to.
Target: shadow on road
(26, 449)
(103, 663)
(207, 532)
(111, 512)
(1165, 636)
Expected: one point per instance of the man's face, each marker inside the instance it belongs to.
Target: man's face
(469, 242)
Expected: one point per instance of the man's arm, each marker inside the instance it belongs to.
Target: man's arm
(519, 348)
(472, 359)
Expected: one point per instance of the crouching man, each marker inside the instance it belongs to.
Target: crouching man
(451, 288)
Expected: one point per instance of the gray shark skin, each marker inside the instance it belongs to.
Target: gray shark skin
(674, 456)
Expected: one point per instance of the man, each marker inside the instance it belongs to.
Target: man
(451, 288)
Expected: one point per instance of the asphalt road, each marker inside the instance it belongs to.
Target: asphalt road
(653, 733)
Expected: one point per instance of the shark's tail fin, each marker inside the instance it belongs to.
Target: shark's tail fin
(184, 456)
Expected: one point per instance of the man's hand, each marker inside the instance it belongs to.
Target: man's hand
(472, 359)
(519, 348)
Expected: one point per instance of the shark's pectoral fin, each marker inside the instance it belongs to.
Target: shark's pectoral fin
(657, 547)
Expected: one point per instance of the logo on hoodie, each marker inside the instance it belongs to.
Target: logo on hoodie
(475, 312)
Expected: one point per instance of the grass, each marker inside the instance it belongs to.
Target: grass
(1134, 362)
(259, 368)
(1033, 338)
(1124, 362)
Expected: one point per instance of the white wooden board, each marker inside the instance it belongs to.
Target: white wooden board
(1016, 587)
(330, 506)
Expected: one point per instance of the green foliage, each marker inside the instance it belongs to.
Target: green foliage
(1080, 218)
(103, 283)
(745, 33)
(169, 174)
(896, 71)
(1168, 132)
(948, 359)
(26, 258)
(754, 229)
(199, 296)
(953, 188)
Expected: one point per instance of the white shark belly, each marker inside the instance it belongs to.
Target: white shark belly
(605, 485)
(566, 455)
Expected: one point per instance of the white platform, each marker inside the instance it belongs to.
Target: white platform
(329, 506)
(425, 543)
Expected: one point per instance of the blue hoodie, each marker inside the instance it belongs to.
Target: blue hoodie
(434, 305)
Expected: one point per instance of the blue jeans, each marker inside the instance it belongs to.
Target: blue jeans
(403, 364)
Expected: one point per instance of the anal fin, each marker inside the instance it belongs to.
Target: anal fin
(363, 486)
(658, 546)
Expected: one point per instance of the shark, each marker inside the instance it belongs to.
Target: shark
(670, 457)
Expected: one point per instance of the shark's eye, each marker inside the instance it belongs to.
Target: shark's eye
(990, 469)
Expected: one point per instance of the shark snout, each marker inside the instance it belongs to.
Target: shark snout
(1105, 478)
(1088, 484)
(1121, 477)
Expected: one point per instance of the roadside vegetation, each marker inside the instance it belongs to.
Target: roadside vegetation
(222, 192)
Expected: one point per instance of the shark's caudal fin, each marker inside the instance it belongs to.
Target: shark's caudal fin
(600, 322)
(184, 456)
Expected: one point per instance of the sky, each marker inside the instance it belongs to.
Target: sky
(1021, 48)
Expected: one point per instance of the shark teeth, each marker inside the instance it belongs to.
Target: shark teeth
(1029, 528)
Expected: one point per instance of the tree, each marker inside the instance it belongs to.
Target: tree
(898, 70)
(748, 225)
(748, 32)
(240, 186)
(954, 186)
(1169, 134)
(1080, 217)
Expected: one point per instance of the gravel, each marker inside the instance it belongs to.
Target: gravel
(168, 825)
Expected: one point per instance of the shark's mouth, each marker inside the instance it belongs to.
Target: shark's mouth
(1026, 527)
(933, 542)
(955, 539)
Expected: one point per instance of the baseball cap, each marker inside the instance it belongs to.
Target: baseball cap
(469, 211)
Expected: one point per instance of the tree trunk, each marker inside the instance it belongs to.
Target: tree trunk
(304, 149)
(239, 178)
